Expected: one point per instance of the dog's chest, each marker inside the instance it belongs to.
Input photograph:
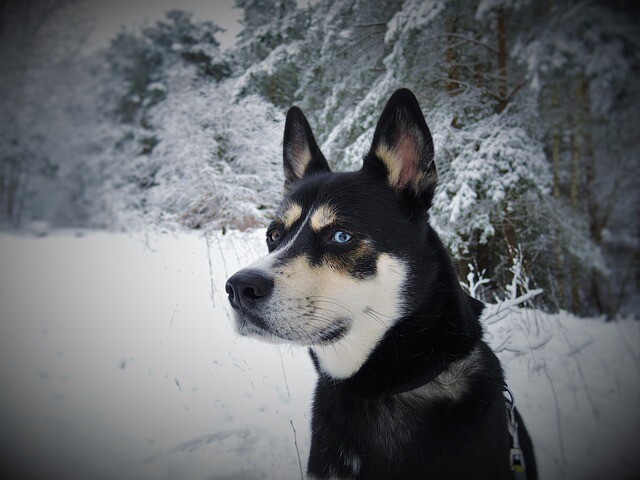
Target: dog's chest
(362, 427)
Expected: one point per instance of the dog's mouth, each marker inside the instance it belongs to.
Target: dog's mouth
(334, 332)
(251, 324)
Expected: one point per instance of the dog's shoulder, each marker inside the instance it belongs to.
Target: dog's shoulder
(458, 379)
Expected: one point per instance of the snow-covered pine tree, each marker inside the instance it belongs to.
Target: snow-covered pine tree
(267, 56)
(188, 152)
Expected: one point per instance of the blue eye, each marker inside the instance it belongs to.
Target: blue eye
(340, 237)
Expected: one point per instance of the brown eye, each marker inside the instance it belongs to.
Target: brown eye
(273, 236)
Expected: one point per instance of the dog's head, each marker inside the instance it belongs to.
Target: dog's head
(347, 254)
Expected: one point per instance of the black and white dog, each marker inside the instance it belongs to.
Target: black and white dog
(407, 388)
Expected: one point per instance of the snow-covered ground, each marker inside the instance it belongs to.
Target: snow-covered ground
(118, 360)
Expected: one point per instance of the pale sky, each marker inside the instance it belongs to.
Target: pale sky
(110, 15)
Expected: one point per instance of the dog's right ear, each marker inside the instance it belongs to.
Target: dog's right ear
(301, 154)
(403, 149)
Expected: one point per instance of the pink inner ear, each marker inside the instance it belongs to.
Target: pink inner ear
(300, 156)
(407, 152)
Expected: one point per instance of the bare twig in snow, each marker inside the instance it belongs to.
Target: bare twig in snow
(295, 441)
(174, 314)
(224, 262)
(284, 373)
(235, 250)
(213, 287)
(573, 354)
(522, 298)
(558, 416)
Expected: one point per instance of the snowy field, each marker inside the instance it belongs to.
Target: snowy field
(118, 360)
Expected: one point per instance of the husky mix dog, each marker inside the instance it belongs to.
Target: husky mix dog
(407, 388)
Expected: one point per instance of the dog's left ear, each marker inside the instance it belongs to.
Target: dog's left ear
(403, 147)
(301, 154)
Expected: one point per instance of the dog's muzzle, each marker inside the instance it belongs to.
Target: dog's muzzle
(247, 289)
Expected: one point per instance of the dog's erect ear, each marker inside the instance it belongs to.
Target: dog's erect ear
(402, 144)
(301, 154)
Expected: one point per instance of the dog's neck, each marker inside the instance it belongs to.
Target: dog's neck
(417, 348)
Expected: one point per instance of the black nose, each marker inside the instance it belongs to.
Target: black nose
(248, 287)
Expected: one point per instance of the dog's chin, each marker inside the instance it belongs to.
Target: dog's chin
(247, 327)
(256, 327)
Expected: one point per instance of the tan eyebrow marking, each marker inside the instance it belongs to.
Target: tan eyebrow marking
(292, 213)
(324, 215)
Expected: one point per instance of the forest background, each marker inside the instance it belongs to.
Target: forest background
(533, 108)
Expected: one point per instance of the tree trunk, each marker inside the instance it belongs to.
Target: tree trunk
(11, 197)
(21, 198)
(596, 224)
(502, 58)
(574, 194)
(451, 57)
(637, 255)
(597, 221)
(555, 155)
